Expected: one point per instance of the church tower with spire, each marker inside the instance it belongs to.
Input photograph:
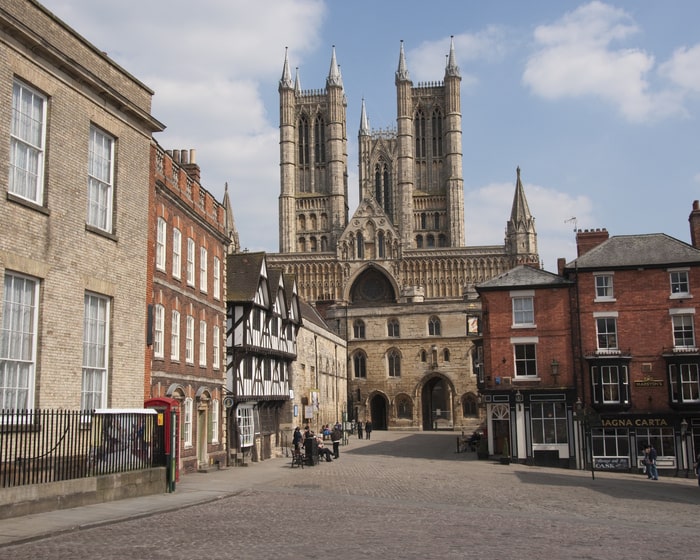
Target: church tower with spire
(313, 208)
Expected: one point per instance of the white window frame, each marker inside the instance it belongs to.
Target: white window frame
(177, 253)
(190, 261)
(214, 421)
(216, 347)
(158, 331)
(203, 344)
(246, 425)
(549, 423)
(604, 286)
(95, 352)
(187, 406)
(175, 336)
(189, 340)
(18, 341)
(100, 179)
(526, 360)
(523, 304)
(686, 377)
(610, 346)
(683, 325)
(679, 283)
(27, 143)
(217, 278)
(203, 267)
(161, 240)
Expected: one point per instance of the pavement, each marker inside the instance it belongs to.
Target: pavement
(192, 489)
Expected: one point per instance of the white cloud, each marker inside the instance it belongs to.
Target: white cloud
(488, 211)
(683, 68)
(575, 59)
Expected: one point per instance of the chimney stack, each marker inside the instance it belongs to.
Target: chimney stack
(694, 220)
(589, 239)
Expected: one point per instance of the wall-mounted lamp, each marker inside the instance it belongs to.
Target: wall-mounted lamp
(555, 367)
(518, 396)
(684, 427)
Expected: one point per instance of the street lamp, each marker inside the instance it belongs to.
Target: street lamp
(554, 367)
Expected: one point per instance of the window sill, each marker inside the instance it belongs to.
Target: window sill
(681, 295)
(28, 203)
(604, 300)
(524, 326)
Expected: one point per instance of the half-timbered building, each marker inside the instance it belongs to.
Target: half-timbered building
(261, 336)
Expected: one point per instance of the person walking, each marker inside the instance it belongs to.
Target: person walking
(650, 462)
(359, 430)
(368, 429)
(697, 468)
(336, 436)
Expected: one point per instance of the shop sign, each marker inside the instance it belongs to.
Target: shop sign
(611, 463)
(648, 381)
(633, 422)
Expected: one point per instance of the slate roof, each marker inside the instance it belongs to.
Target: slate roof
(309, 314)
(523, 276)
(646, 250)
(243, 275)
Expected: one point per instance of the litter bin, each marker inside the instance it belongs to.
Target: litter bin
(311, 451)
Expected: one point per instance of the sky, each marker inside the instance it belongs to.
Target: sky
(597, 102)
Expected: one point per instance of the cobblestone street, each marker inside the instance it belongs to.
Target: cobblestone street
(409, 496)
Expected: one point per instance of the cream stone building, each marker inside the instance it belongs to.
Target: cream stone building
(74, 181)
(392, 280)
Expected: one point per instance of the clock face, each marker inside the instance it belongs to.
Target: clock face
(372, 287)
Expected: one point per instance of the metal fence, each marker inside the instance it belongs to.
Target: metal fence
(40, 446)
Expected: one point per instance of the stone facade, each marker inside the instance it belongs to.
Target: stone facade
(63, 258)
(320, 367)
(393, 279)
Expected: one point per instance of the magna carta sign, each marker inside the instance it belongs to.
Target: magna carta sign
(649, 382)
(633, 422)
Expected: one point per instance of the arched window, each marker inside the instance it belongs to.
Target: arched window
(394, 359)
(319, 140)
(420, 134)
(393, 328)
(360, 246)
(424, 221)
(324, 244)
(358, 329)
(314, 225)
(303, 142)
(302, 245)
(446, 355)
(469, 406)
(359, 363)
(302, 222)
(404, 407)
(380, 244)
(419, 241)
(423, 356)
(442, 240)
(313, 246)
(430, 240)
(436, 220)
(434, 326)
(437, 133)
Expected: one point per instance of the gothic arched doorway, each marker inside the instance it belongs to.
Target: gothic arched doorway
(377, 408)
(436, 405)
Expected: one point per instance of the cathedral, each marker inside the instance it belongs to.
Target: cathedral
(396, 278)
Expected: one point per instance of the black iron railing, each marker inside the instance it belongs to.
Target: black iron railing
(40, 446)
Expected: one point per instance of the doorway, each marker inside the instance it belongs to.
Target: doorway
(377, 407)
(436, 410)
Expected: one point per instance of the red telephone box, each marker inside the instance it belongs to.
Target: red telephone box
(167, 435)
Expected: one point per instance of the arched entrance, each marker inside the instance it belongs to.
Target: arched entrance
(377, 408)
(436, 405)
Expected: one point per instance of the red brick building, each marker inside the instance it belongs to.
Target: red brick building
(527, 378)
(187, 305)
(585, 367)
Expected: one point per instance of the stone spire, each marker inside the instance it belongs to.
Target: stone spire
(452, 69)
(334, 77)
(521, 237)
(286, 80)
(297, 81)
(231, 230)
(402, 72)
(364, 121)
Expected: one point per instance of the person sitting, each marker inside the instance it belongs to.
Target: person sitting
(323, 451)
